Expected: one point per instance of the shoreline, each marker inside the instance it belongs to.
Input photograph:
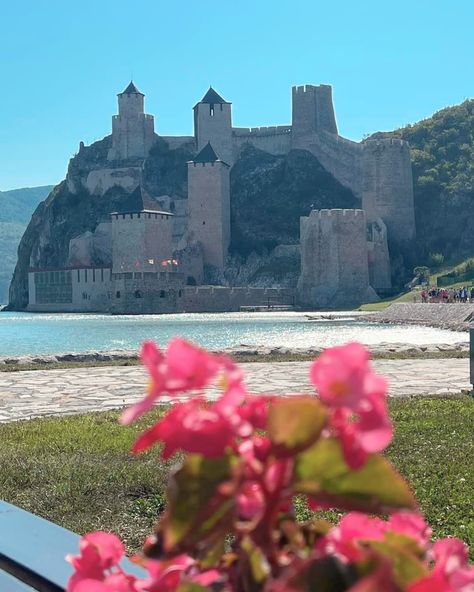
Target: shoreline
(449, 316)
(242, 353)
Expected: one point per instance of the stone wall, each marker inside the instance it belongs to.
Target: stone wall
(379, 257)
(147, 293)
(99, 181)
(209, 210)
(223, 299)
(334, 260)
(388, 187)
(141, 241)
(70, 290)
(312, 110)
(275, 139)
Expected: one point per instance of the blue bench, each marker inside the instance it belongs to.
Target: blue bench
(32, 552)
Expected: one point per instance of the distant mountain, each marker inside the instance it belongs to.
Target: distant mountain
(442, 152)
(16, 208)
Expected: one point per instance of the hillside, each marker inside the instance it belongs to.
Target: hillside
(16, 208)
(442, 149)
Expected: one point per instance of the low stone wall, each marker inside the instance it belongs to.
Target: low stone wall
(223, 299)
(455, 316)
(380, 349)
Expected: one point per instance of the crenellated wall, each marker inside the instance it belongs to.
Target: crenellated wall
(273, 139)
(334, 259)
(141, 240)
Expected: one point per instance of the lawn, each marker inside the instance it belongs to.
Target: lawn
(77, 470)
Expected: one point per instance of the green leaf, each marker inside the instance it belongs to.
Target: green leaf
(322, 473)
(191, 587)
(407, 568)
(259, 566)
(296, 423)
(198, 509)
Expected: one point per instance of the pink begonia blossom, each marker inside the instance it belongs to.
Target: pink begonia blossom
(339, 374)
(451, 572)
(250, 501)
(192, 427)
(183, 367)
(348, 539)
(355, 396)
(410, 524)
(117, 582)
(367, 432)
(99, 551)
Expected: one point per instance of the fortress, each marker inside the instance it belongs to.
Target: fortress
(159, 251)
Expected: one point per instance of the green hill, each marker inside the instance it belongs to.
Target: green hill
(16, 208)
(442, 149)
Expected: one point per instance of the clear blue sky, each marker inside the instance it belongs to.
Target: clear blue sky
(390, 62)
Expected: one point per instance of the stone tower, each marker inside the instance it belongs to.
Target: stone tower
(387, 190)
(213, 123)
(141, 235)
(312, 110)
(209, 205)
(334, 259)
(132, 130)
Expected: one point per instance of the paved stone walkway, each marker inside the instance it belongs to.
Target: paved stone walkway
(28, 394)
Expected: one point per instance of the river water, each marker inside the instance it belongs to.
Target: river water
(28, 333)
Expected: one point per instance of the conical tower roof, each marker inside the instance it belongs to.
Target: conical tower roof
(137, 201)
(207, 154)
(131, 90)
(213, 98)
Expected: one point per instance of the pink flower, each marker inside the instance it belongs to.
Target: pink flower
(356, 396)
(99, 551)
(184, 367)
(165, 576)
(410, 524)
(192, 426)
(116, 582)
(255, 411)
(340, 373)
(347, 539)
(250, 501)
(364, 433)
(451, 572)
(189, 367)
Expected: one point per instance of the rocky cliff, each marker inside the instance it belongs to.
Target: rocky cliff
(268, 195)
(442, 153)
(16, 208)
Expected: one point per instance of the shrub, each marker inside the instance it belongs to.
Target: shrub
(230, 520)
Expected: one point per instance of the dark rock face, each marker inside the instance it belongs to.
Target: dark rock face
(268, 195)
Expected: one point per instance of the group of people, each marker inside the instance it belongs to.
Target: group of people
(463, 294)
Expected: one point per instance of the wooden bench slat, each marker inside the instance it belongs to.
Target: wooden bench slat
(10, 584)
(33, 550)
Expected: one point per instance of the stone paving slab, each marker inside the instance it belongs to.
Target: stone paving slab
(28, 394)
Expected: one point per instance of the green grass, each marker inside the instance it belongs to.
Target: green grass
(77, 471)
(382, 304)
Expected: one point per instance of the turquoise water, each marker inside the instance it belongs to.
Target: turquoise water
(27, 333)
